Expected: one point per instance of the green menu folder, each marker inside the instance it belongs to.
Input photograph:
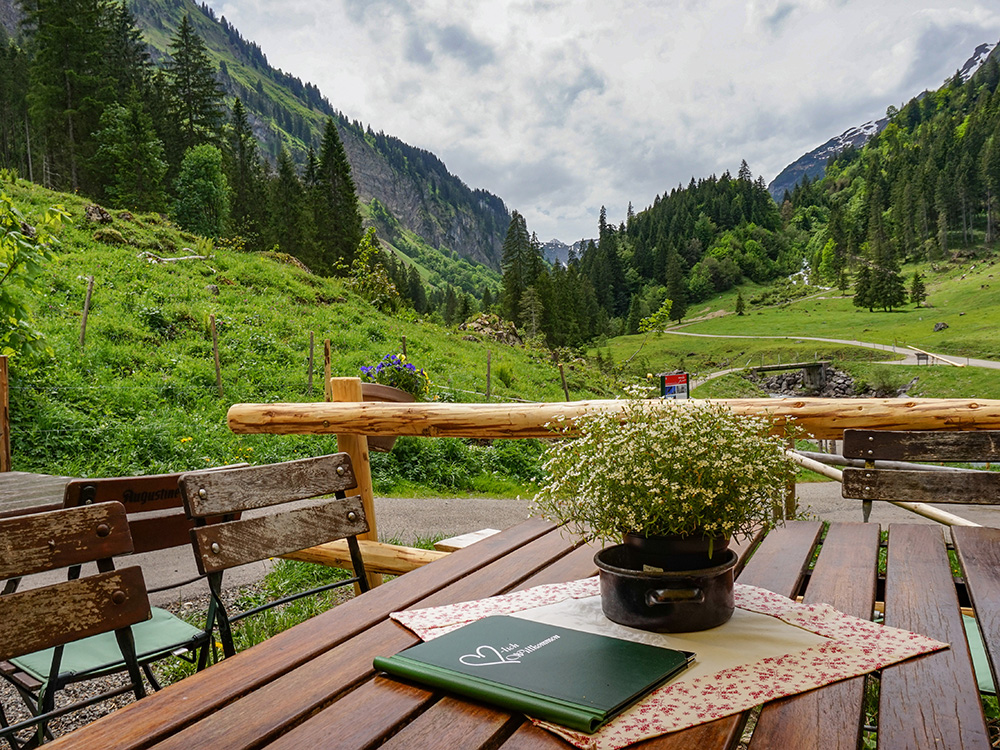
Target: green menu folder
(576, 679)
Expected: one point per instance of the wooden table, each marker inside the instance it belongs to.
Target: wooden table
(313, 686)
(23, 492)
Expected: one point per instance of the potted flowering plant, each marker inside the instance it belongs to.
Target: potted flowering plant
(392, 379)
(676, 481)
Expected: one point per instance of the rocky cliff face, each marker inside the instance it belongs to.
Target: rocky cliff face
(472, 228)
(10, 17)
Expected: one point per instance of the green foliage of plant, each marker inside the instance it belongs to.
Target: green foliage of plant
(202, 203)
(452, 464)
(658, 320)
(393, 370)
(658, 468)
(24, 252)
(369, 277)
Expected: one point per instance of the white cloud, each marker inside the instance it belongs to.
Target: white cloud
(560, 108)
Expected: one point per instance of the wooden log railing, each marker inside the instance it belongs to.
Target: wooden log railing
(352, 420)
(822, 418)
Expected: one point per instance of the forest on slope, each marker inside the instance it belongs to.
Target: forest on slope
(419, 206)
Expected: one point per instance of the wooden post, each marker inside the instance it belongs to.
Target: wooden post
(404, 346)
(790, 502)
(349, 389)
(312, 348)
(327, 393)
(215, 351)
(4, 415)
(86, 310)
(563, 376)
(489, 357)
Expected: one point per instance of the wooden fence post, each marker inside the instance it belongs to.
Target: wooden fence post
(349, 389)
(4, 416)
(791, 505)
(327, 393)
(489, 357)
(563, 376)
(86, 310)
(215, 352)
(309, 387)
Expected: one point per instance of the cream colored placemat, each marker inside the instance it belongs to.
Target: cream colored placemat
(804, 647)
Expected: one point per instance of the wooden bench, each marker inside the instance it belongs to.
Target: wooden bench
(919, 485)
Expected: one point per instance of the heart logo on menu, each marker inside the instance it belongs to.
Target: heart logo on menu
(486, 656)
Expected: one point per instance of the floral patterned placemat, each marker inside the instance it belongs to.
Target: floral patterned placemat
(854, 647)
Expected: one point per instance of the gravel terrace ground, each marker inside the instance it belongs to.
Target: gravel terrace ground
(406, 520)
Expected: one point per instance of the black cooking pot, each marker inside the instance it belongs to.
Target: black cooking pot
(669, 601)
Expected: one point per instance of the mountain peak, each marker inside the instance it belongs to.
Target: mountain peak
(813, 164)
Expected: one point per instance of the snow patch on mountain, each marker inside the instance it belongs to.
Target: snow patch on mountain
(975, 62)
(813, 164)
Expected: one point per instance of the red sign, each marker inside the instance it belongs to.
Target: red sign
(674, 385)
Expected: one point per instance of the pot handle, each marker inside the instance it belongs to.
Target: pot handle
(674, 596)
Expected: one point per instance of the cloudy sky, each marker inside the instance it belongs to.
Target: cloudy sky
(561, 107)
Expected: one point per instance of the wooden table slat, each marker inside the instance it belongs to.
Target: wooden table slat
(979, 554)
(25, 492)
(454, 723)
(831, 717)
(353, 722)
(931, 701)
(288, 699)
(779, 563)
(477, 719)
(530, 737)
(208, 691)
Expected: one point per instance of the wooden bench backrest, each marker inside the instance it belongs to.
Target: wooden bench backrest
(49, 616)
(222, 545)
(956, 487)
(153, 503)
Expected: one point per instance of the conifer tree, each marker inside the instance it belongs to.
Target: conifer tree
(740, 304)
(126, 58)
(518, 267)
(286, 211)
(334, 202)
(195, 98)
(676, 288)
(246, 180)
(918, 292)
(415, 290)
(531, 311)
(863, 288)
(130, 157)
(634, 315)
(68, 85)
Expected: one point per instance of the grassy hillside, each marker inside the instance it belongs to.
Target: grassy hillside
(140, 396)
(962, 294)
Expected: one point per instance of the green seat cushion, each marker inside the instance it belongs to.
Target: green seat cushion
(980, 663)
(162, 634)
